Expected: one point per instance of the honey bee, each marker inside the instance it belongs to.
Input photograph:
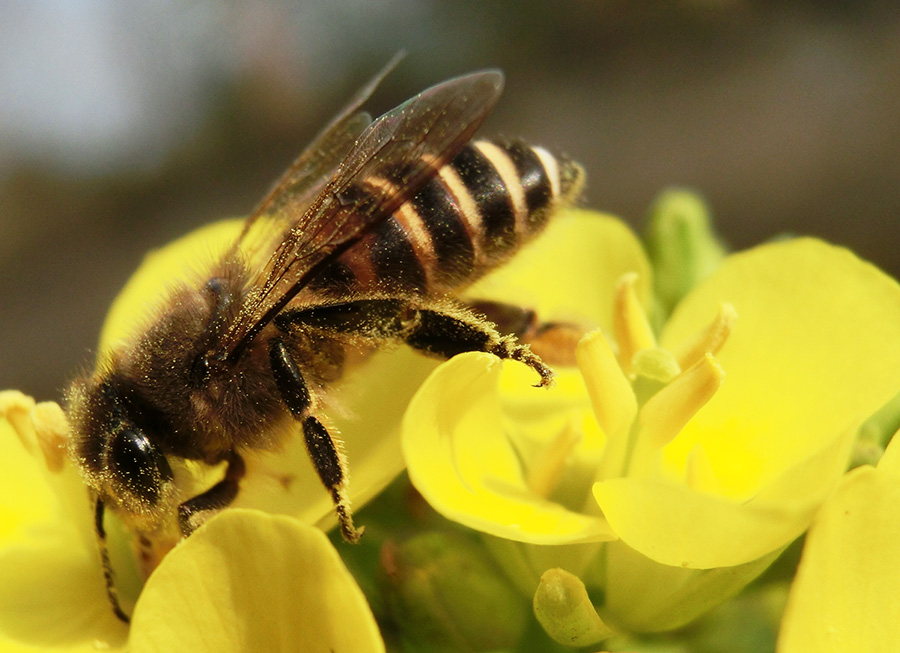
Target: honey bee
(364, 240)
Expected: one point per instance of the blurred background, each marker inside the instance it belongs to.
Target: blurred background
(125, 125)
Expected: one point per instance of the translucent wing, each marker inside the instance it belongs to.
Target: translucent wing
(310, 171)
(389, 162)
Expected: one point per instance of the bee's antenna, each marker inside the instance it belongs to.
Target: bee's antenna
(108, 576)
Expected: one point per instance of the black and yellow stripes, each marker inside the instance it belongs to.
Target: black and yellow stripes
(469, 217)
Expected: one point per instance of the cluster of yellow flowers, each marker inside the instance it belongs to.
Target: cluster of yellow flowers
(707, 421)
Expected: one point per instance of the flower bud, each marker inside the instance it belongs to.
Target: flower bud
(681, 244)
(564, 609)
(445, 593)
(876, 432)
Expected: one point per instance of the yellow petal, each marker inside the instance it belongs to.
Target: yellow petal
(890, 460)
(52, 593)
(568, 273)
(185, 260)
(463, 463)
(25, 499)
(674, 524)
(644, 596)
(844, 597)
(815, 351)
(251, 581)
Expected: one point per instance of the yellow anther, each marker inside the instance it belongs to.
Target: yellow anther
(52, 431)
(630, 324)
(16, 408)
(698, 471)
(612, 397)
(666, 412)
(710, 339)
(546, 470)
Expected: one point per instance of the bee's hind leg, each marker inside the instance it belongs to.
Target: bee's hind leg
(440, 328)
(449, 331)
(323, 450)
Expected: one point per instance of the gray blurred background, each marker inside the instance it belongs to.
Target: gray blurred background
(124, 125)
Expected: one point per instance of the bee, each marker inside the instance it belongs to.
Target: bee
(363, 241)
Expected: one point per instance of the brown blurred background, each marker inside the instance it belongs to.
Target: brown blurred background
(124, 125)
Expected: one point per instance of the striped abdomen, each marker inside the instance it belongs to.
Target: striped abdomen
(467, 219)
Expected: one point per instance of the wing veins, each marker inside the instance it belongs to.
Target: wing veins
(416, 138)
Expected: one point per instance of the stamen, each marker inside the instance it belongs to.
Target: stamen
(52, 429)
(630, 324)
(612, 397)
(16, 408)
(698, 471)
(667, 412)
(710, 340)
(544, 475)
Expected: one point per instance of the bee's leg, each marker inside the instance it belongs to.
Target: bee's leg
(440, 328)
(194, 511)
(449, 333)
(108, 575)
(323, 450)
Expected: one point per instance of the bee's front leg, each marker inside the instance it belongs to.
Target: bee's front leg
(325, 455)
(192, 512)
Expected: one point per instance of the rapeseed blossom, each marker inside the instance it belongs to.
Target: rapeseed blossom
(666, 469)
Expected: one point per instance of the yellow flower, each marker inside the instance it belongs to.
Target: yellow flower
(247, 579)
(844, 597)
(667, 471)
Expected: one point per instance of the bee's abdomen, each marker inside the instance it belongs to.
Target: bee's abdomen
(470, 216)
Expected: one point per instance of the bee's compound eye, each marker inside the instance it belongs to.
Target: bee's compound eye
(139, 465)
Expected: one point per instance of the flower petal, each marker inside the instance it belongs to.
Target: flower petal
(52, 592)
(815, 350)
(673, 523)
(644, 596)
(844, 597)
(568, 274)
(178, 262)
(251, 581)
(462, 461)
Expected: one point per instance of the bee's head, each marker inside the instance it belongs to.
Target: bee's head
(114, 446)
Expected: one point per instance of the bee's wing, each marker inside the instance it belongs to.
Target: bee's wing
(389, 162)
(309, 173)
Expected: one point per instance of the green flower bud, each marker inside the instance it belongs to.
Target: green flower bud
(446, 594)
(681, 245)
(563, 608)
(876, 432)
